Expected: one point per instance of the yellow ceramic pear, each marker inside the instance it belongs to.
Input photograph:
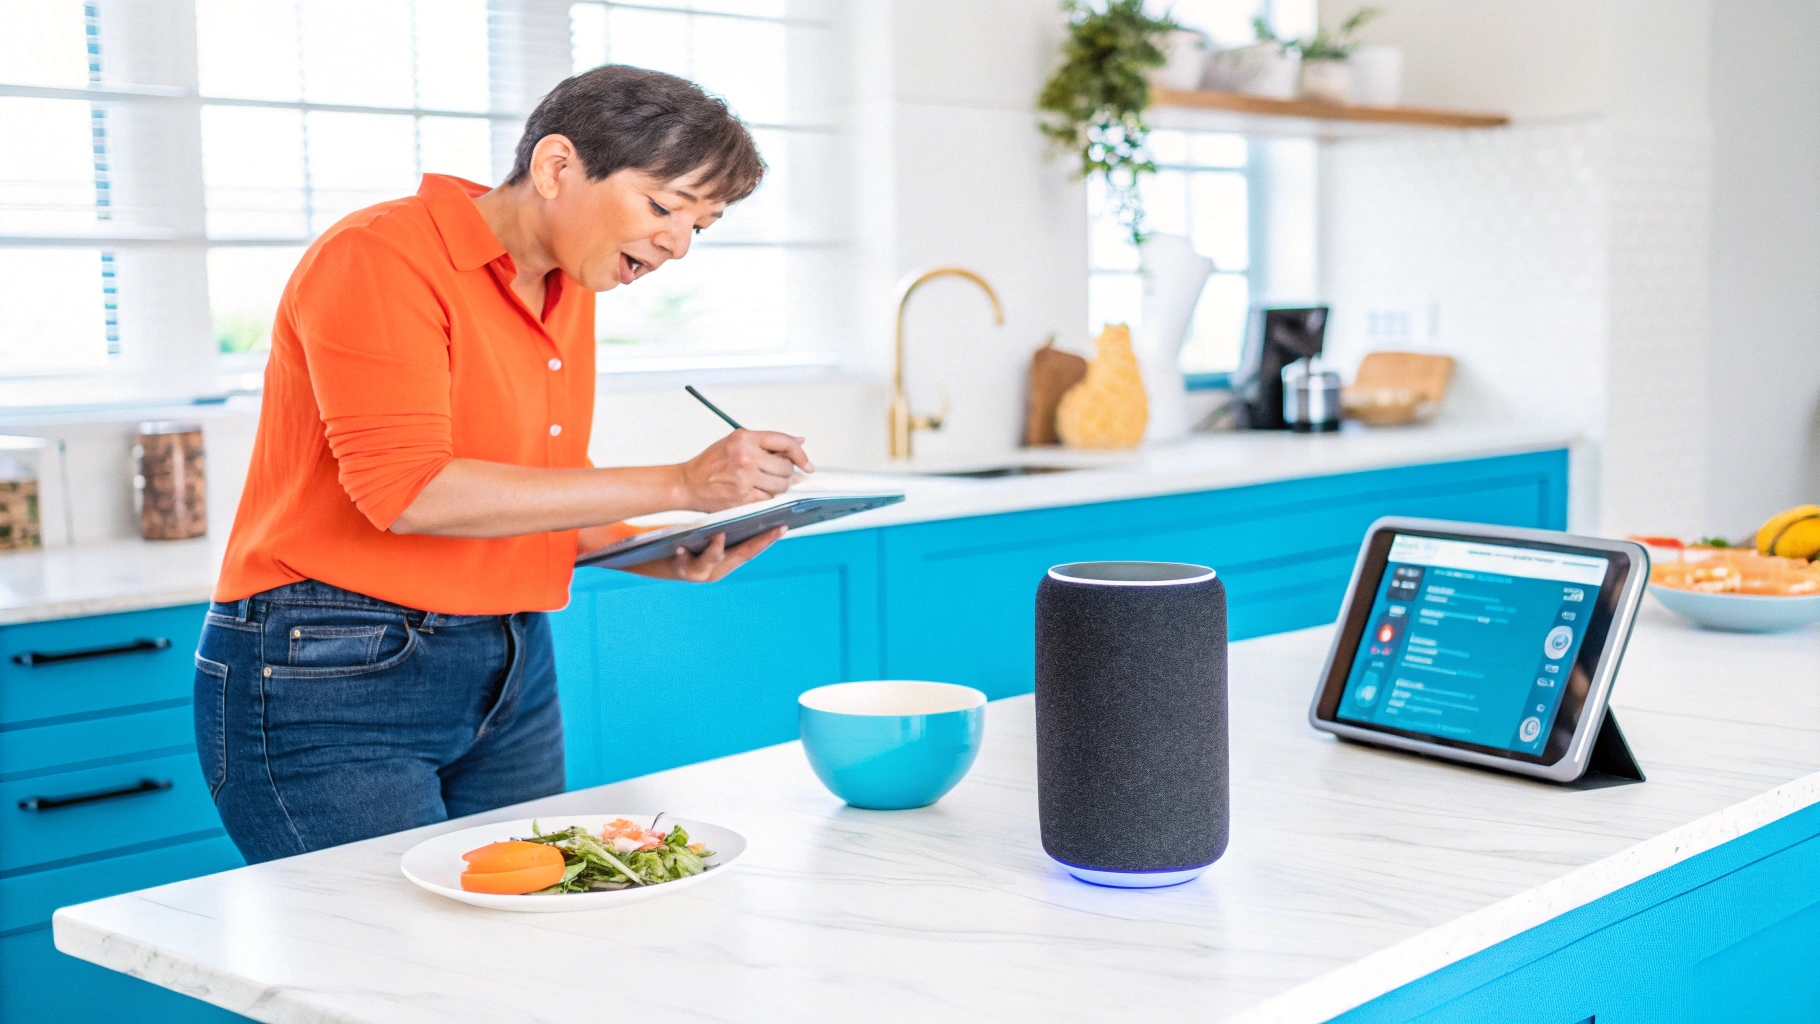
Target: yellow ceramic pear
(1107, 408)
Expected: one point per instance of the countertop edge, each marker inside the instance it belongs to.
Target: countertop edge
(80, 607)
(1414, 958)
(95, 944)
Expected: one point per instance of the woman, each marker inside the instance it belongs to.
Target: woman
(377, 655)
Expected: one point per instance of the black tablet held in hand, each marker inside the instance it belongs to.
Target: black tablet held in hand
(1494, 646)
(796, 514)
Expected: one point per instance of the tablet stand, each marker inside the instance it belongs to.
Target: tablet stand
(1611, 754)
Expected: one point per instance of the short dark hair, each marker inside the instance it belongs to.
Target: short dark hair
(662, 125)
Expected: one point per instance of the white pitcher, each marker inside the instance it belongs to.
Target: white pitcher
(1173, 277)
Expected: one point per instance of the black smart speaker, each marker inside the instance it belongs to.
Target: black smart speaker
(1131, 755)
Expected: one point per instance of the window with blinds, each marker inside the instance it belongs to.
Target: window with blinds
(164, 163)
(312, 109)
(58, 308)
(747, 284)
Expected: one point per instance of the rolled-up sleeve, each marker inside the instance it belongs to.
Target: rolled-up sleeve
(375, 337)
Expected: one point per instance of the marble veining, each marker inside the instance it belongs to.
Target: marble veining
(127, 575)
(1351, 870)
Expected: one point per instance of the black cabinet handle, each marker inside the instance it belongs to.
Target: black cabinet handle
(33, 658)
(51, 803)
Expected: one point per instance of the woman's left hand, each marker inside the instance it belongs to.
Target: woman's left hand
(715, 561)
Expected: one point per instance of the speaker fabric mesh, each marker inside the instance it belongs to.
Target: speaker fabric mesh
(1131, 724)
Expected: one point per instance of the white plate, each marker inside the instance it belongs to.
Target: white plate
(1740, 613)
(436, 864)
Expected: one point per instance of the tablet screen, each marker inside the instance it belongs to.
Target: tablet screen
(1472, 641)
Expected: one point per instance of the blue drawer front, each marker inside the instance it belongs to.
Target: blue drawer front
(98, 684)
(31, 838)
(89, 742)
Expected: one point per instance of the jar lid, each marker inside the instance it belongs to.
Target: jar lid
(169, 427)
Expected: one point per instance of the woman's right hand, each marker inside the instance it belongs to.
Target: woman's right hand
(741, 468)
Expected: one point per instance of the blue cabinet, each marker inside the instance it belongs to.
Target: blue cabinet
(1732, 934)
(115, 720)
(657, 674)
(959, 605)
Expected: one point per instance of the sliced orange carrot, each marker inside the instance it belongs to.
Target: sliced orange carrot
(511, 856)
(512, 883)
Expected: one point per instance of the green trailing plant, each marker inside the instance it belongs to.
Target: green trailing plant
(1323, 45)
(1093, 105)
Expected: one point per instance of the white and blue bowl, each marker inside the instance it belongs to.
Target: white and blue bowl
(1740, 613)
(891, 744)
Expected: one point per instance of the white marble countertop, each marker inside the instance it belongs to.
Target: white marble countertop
(126, 575)
(1351, 871)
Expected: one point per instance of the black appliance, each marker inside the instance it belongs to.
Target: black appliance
(1274, 338)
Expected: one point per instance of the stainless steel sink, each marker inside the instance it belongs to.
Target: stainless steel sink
(998, 472)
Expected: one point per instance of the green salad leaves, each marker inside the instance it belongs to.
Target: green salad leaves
(591, 865)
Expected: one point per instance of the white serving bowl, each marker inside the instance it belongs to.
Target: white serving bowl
(1740, 613)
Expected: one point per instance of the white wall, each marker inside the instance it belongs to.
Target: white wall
(1763, 366)
(1566, 256)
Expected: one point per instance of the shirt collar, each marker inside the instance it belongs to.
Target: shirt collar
(471, 243)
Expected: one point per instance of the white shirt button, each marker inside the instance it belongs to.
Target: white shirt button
(555, 364)
(555, 430)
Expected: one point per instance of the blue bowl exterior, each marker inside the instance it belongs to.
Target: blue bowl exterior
(1740, 613)
(891, 762)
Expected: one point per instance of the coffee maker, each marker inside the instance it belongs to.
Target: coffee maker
(1274, 338)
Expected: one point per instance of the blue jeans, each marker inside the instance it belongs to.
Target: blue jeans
(324, 716)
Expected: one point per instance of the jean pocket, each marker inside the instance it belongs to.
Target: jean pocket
(210, 706)
(323, 643)
(334, 646)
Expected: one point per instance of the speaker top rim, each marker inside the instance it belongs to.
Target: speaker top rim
(1134, 573)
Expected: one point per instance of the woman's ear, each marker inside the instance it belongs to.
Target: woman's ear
(552, 155)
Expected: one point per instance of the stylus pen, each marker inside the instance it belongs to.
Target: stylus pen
(715, 409)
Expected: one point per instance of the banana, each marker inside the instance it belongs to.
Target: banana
(1792, 534)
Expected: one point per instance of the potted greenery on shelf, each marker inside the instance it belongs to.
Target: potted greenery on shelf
(1326, 76)
(1093, 105)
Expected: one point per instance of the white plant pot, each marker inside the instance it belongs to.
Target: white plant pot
(1187, 53)
(1261, 69)
(1377, 76)
(1327, 81)
(1174, 275)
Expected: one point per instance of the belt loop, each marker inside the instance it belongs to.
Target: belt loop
(429, 623)
(244, 609)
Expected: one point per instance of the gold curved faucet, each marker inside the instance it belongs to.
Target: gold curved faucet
(902, 423)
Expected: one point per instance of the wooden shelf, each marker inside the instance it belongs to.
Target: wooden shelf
(1258, 115)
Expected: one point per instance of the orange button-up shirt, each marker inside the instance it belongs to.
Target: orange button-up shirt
(399, 345)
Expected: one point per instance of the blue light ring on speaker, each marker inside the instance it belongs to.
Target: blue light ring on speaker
(1134, 879)
(891, 762)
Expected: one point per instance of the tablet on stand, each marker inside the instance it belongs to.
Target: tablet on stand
(1492, 646)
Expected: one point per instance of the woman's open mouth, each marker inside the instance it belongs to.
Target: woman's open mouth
(629, 268)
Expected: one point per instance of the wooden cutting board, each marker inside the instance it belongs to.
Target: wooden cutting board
(1052, 373)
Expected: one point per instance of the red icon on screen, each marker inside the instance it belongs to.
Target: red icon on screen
(1386, 633)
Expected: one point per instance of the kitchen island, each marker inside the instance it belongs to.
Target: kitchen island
(1359, 882)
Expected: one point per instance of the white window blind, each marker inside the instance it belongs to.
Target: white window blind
(757, 283)
(164, 163)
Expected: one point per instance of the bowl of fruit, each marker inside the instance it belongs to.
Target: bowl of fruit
(1770, 584)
